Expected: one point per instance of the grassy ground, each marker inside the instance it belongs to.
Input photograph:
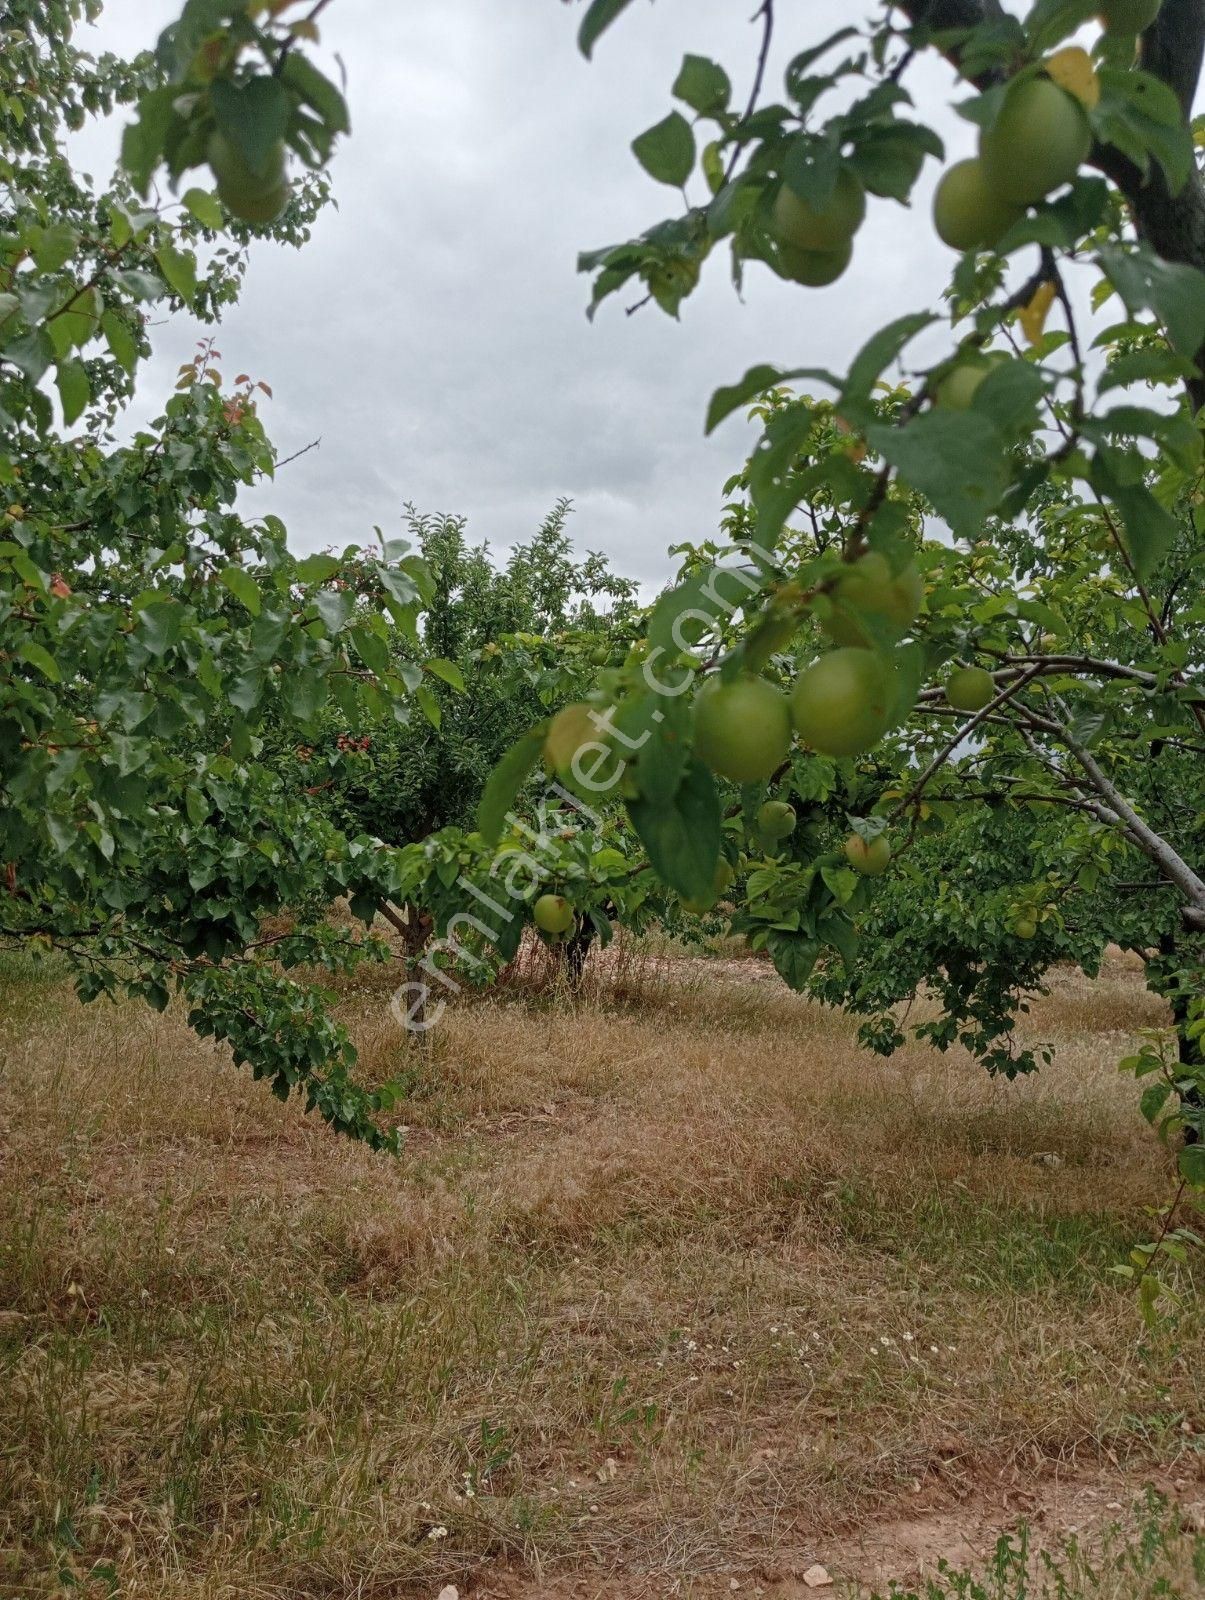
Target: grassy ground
(683, 1287)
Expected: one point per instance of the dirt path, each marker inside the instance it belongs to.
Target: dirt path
(960, 1529)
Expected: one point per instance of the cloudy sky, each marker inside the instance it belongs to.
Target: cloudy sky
(433, 334)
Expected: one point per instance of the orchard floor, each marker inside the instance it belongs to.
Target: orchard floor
(673, 1291)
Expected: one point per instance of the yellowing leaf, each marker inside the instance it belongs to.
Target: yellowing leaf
(1033, 318)
(1072, 70)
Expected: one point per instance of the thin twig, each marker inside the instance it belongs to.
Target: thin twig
(766, 13)
(313, 445)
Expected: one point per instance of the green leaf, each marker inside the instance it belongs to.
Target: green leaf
(1154, 1099)
(877, 354)
(1010, 396)
(654, 729)
(889, 159)
(1175, 293)
(143, 141)
(317, 568)
(1192, 1165)
(794, 956)
(505, 781)
(683, 838)
(597, 20)
(242, 586)
(335, 607)
(429, 705)
(205, 208)
(773, 484)
(666, 151)
(372, 649)
(32, 353)
(956, 459)
(755, 382)
(448, 671)
(160, 625)
(179, 269)
(74, 389)
(317, 91)
(123, 346)
(304, 694)
(1051, 20)
(703, 85)
(1140, 116)
(55, 247)
(38, 656)
(254, 116)
(1150, 531)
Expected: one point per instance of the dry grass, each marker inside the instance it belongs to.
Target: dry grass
(674, 1286)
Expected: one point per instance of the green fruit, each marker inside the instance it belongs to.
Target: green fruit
(742, 729)
(553, 914)
(259, 209)
(776, 819)
(841, 628)
(968, 213)
(1128, 17)
(1039, 142)
(815, 269)
(970, 689)
(722, 877)
(867, 583)
(600, 656)
(871, 858)
(961, 383)
(868, 586)
(829, 227)
(842, 703)
(1025, 928)
(571, 730)
(907, 596)
(252, 194)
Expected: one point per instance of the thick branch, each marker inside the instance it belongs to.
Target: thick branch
(1172, 865)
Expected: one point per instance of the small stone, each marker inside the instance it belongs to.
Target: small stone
(449, 1592)
(817, 1577)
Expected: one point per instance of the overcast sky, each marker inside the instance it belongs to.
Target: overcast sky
(433, 333)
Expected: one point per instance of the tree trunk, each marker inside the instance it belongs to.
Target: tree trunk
(1188, 1050)
(576, 950)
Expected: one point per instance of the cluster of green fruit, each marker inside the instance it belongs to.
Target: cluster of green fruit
(841, 705)
(814, 243)
(1038, 143)
(255, 194)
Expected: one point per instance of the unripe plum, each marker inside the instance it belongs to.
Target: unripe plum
(968, 213)
(842, 703)
(828, 227)
(1038, 143)
(742, 728)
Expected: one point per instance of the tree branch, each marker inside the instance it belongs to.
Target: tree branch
(1172, 865)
